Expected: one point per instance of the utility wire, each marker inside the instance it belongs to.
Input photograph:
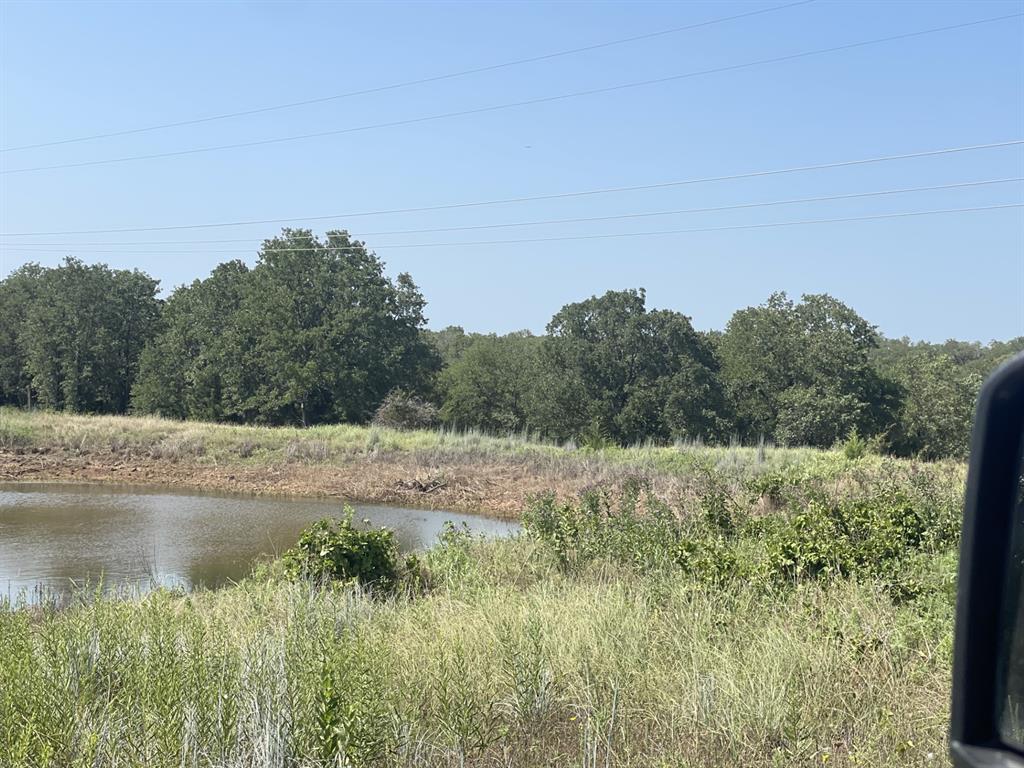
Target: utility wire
(644, 214)
(534, 198)
(511, 105)
(602, 236)
(409, 83)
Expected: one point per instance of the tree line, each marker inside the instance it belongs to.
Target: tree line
(316, 332)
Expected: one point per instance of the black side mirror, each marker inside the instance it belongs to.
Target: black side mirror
(987, 719)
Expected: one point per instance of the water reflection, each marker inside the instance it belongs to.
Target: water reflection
(52, 536)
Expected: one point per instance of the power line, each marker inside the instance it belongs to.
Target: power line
(585, 219)
(409, 83)
(535, 198)
(602, 236)
(511, 105)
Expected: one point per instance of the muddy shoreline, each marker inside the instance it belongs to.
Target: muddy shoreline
(500, 488)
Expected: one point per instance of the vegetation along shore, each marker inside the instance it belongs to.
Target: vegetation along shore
(679, 605)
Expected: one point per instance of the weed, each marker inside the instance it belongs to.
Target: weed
(307, 450)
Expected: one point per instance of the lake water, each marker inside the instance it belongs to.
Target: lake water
(53, 536)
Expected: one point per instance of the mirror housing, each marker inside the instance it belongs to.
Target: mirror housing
(983, 593)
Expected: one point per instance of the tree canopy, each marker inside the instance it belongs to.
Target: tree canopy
(316, 332)
(800, 373)
(615, 367)
(72, 335)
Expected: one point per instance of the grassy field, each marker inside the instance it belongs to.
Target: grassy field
(152, 437)
(778, 608)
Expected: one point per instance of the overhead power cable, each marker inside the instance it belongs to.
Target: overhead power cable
(584, 219)
(535, 198)
(602, 236)
(511, 105)
(409, 83)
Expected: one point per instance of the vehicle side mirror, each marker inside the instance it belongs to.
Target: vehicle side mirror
(987, 718)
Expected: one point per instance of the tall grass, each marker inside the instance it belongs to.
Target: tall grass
(596, 638)
(156, 438)
(510, 664)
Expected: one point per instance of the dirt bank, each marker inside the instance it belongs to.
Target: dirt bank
(467, 472)
(499, 488)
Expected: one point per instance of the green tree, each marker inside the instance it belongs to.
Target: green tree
(994, 354)
(330, 334)
(939, 383)
(451, 342)
(185, 371)
(614, 369)
(695, 403)
(490, 384)
(314, 332)
(84, 332)
(801, 373)
(18, 293)
(762, 357)
(937, 408)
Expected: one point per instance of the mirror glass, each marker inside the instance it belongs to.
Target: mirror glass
(1011, 720)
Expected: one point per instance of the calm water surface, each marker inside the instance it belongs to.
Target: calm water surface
(55, 535)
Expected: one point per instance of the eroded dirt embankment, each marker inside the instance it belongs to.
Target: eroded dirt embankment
(498, 488)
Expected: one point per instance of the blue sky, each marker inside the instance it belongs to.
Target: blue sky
(76, 69)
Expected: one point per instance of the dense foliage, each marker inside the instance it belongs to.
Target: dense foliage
(404, 410)
(800, 372)
(833, 517)
(316, 333)
(70, 338)
(336, 550)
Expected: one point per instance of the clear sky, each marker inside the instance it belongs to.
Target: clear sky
(77, 69)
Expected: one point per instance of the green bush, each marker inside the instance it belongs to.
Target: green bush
(843, 538)
(335, 550)
(403, 410)
(871, 525)
(595, 437)
(855, 447)
(635, 533)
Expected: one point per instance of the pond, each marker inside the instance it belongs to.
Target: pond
(54, 536)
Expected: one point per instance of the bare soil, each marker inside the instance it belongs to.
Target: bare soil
(499, 488)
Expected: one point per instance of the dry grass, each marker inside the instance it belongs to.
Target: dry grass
(466, 471)
(135, 436)
(506, 663)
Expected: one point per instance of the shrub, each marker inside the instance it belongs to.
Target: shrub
(719, 511)
(710, 559)
(246, 449)
(453, 562)
(641, 534)
(335, 550)
(403, 410)
(175, 448)
(872, 526)
(857, 447)
(595, 437)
